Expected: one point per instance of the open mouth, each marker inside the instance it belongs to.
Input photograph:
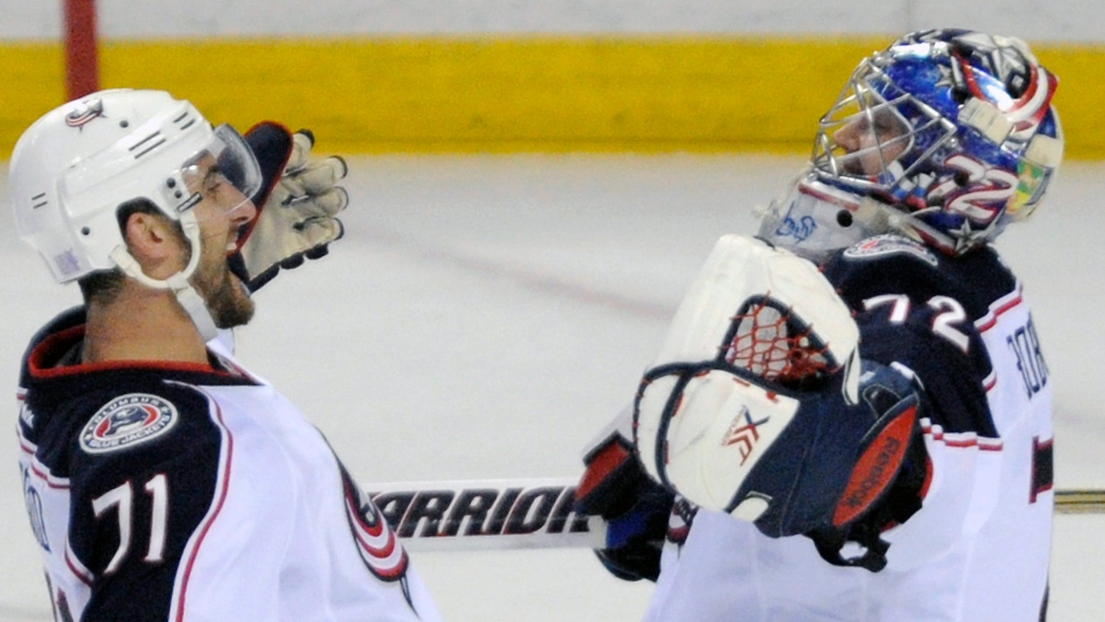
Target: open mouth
(232, 243)
(852, 165)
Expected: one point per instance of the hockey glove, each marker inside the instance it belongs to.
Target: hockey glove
(297, 209)
(636, 510)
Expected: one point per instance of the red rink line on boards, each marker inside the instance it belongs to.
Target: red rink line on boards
(525, 278)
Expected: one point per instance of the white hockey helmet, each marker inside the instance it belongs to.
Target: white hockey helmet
(73, 168)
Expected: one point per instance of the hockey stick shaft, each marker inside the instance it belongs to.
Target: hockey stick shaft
(487, 514)
(1083, 501)
(534, 513)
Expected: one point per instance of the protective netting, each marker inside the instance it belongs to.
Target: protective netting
(771, 342)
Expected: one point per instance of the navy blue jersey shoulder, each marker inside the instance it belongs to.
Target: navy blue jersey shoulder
(131, 437)
(894, 264)
(154, 446)
(920, 309)
(60, 393)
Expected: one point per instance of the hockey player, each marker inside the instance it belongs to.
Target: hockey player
(163, 480)
(870, 440)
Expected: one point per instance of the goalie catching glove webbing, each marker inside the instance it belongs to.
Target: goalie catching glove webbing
(755, 406)
(297, 208)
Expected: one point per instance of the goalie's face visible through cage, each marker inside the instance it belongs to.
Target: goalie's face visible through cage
(869, 138)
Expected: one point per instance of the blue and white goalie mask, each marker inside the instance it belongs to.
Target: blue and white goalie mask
(952, 129)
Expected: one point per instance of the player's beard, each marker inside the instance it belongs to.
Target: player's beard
(229, 302)
(225, 295)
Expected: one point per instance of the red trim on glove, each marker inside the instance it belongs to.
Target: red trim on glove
(603, 463)
(272, 169)
(877, 468)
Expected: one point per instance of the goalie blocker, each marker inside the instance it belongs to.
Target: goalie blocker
(758, 406)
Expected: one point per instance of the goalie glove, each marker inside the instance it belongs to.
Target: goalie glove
(297, 209)
(755, 406)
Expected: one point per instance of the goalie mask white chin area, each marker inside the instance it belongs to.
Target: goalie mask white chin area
(73, 168)
(814, 219)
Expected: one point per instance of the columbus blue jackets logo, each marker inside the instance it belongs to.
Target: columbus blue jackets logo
(889, 244)
(127, 421)
(84, 113)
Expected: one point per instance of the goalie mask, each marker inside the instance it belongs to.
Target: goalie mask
(952, 130)
(73, 168)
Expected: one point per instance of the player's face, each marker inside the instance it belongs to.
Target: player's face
(871, 140)
(221, 212)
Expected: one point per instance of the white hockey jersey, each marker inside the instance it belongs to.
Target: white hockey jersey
(978, 548)
(186, 493)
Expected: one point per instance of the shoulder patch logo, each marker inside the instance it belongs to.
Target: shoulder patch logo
(127, 421)
(84, 113)
(890, 244)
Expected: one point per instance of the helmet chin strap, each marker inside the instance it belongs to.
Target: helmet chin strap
(185, 294)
